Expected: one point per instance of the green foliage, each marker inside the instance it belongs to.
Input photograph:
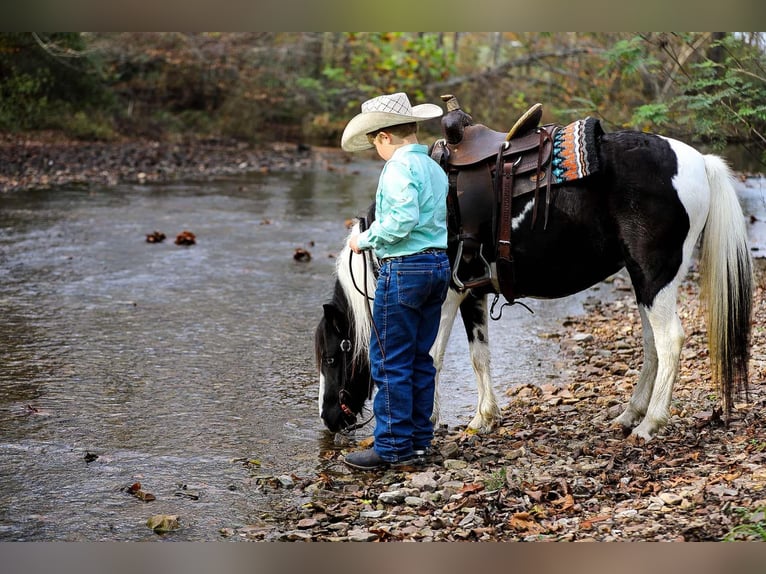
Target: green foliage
(728, 97)
(753, 526)
(650, 114)
(496, 480)
(628, 57)
(23, 102)
(701, 87)
(383, 62)
(86, 126)
(43, 77)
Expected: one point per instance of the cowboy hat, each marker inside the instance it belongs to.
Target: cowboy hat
(382, 112)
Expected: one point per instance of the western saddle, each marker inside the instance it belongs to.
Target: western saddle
(481, 161)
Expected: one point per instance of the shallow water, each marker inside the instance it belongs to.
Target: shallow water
(174, 364)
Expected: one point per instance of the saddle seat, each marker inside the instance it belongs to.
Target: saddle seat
(480, 142)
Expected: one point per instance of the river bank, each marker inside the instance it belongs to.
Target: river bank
(47, 160)
(556, 469)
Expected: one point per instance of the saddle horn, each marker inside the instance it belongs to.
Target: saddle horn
(455, 120)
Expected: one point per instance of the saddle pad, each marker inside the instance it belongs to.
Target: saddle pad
(575, 154)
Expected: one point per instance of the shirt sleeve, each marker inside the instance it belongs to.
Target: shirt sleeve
(400, 212)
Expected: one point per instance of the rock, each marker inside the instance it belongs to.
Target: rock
(449, 450)
(424, 481)
(302, 254)
(286, 481)
(415, 501)
(297, 536)
(307, 523)
(392, 497)
(186, 238)
(670, 498)
(361, 536)
(582, 337)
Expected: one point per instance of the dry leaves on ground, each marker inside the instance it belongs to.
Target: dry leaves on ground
(556, 468)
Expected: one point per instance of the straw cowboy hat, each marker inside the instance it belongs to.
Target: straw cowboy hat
(382, 112)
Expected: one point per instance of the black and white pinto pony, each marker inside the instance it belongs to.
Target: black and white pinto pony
(645, 210)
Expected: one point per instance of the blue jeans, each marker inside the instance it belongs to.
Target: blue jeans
(407, 309)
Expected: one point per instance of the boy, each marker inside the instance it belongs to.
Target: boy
(409, 236)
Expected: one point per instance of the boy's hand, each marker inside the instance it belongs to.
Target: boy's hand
(353, 243)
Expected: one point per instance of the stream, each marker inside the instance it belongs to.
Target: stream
(190, 369)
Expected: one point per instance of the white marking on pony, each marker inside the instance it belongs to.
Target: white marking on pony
(356, 299)
(693, 188)
(487, 411)
(519, 219)
(446, 322)
(642, 392)
(668, 340)
(321, 392)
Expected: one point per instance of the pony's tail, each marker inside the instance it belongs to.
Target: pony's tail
(726, 272)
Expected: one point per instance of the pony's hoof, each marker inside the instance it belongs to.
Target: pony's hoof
(481, 426)
(628, 419)
(640, 435)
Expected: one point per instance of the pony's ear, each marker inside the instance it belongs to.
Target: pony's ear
(334, 317)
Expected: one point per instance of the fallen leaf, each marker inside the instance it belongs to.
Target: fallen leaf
(588, 523)
(162, 523)
(523, 521)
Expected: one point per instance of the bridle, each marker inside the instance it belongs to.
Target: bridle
(343, 394)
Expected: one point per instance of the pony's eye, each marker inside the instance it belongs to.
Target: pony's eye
(329, 361)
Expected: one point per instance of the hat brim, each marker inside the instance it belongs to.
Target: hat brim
(355, 134)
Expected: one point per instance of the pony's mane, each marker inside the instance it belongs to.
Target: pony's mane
(357, 304)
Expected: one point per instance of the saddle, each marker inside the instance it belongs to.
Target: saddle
(481, 161)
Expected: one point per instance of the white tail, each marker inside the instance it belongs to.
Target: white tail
(726, 270)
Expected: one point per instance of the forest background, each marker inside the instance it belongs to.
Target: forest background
(706, 88)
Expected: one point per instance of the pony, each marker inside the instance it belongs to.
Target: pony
(651, 202)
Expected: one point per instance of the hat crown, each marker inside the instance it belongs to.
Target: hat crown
(397, 103)
(384, 111)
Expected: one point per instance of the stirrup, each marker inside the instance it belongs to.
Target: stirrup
(489, 278)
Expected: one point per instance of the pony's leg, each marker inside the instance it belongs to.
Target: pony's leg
(474, 313)
(446, 321)
(668, 338)
(642, 391)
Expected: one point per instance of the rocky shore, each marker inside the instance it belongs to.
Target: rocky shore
(48, 160)
(556, 469)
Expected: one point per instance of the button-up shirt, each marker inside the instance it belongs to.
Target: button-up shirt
(410, 205)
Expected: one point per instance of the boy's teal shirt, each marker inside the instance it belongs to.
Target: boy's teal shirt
(410, 205)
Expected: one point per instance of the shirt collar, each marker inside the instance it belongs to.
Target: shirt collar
(415, 147)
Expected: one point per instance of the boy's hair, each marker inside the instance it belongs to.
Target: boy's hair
(400, 130)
